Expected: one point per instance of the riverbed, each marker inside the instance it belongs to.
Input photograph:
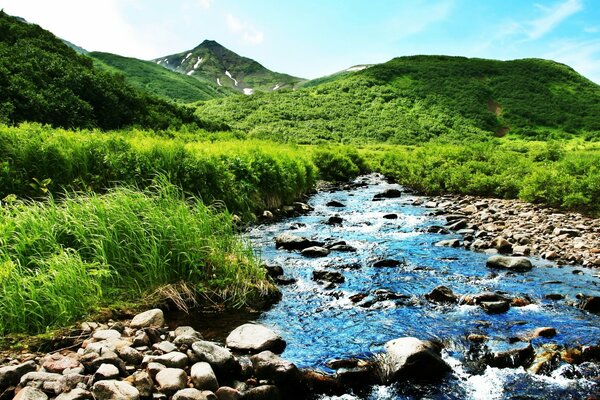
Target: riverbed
(321, 323)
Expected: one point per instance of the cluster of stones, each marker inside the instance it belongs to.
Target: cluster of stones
(143, 359)
(516, 228)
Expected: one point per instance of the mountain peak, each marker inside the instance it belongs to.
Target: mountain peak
(211, 61)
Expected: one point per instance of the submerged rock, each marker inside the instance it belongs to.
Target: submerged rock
(335, 203)
(254, 338)
(328, 276)
(387, 263)
(412, 358)
(388, 194)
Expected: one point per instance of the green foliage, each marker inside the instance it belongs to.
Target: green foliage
(59, 260)
(338, 164)
(556, 174)
(156, 80)
(44, 80)
(245, 176)
(411, 100)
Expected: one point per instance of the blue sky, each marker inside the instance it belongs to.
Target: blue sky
(311, 38)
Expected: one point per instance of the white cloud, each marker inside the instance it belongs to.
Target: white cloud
(205, 3)
(92, 25)
(584, 57)
(248, 32)
(554, 16)
(415, 19)
(591, 29)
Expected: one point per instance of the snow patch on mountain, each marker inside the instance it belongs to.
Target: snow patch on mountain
(200, 59)
(231, 77)
(248, 91)
(357, 68)
(276, 87)
(191, 72)
(219, 82)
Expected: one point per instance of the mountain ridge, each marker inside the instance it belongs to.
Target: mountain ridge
(214, 62)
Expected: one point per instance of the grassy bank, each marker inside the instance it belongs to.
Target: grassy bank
(61, 260)
(558, 174)
(247, 176)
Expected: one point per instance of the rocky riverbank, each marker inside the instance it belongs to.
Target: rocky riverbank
(518, 228)
(143, 359)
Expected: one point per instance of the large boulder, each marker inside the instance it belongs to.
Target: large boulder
(288, 241)
(150, 318)
(412, 358)
(254, 338)
(517, 264)
(114, 390)
(516, 355)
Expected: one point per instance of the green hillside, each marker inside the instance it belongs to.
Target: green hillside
(413, 99)
(213, 62)
(44, 80)
(156, 80)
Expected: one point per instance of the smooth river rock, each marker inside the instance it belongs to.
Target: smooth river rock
(517, 264)
(409, 357)
(254, 338)
(150, 318)
(203, 377)
(114, 390)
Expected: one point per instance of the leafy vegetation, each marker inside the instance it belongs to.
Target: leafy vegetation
(58, 261)
(210, 61)
(558, 174)
(44, 80)
(159, 81)
(245, 176)
(411, 100)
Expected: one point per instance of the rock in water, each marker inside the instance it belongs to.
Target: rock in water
(517, 264)
(388, 194)
(288, 241)
(270, 366)
(315, 251)
(442, 294)
(150, 318)
(409, 357)
(254, 338)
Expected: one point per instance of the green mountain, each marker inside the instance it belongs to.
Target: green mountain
(43, 80)
(418, 98)
(213, 62)
(156, 80)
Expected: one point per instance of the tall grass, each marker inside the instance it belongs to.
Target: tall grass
(247, 176)
(59, 260)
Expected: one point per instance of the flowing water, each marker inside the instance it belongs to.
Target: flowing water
(321, 324)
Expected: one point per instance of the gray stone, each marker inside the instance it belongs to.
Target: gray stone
(517, 264)
(293, 242)
(270, 366)
(164, 347)
(194, 394)
(174, 359)
(114, 390)
(105, 372)
(106, 334)
(203, 377)
(170, 380)
(448, 243)
(495, 307)
(150, 318)
(130, 355)
(11, 375)
(29, 393)
(228, 393)
(409, 357)
(219, 358)
(265, 392)
(58, 363)
(75, 394)
(46, 381)
(315, 251)
(142, 381)
(255, 338)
